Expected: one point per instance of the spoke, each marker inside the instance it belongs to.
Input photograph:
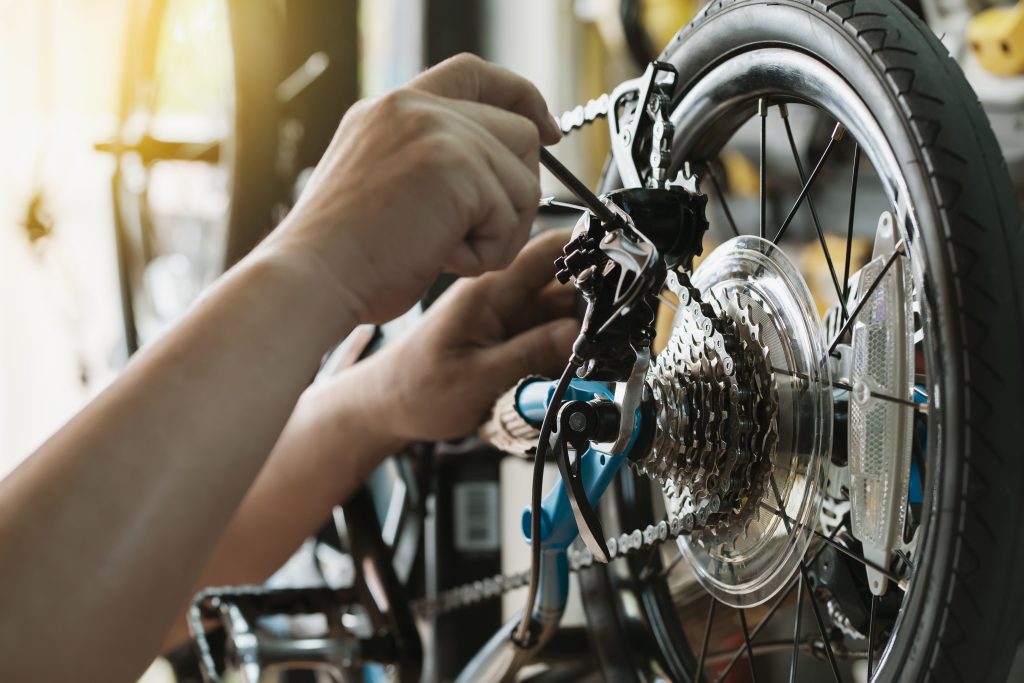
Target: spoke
(900, 583)
(707, 640)
(648, 571)
(821, 625)
(871, 636)
(904, 558)
(785, 468)
(781, 511)
(897, 252)
(762, 110)
(672, 565)
(746, 639)
(805, 583)
(885, 397)
(737, 653)
(784, 112)
(849, 223)
(922, 407)
(786, 520)
(809, 646)
(796, 630)
(721, 198)
(837, 135)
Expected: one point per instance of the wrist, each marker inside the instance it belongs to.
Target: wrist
(312, 284)
(352, 418)
(328, 250)
(371, 395)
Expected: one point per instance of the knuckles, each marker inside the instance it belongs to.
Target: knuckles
(464, 64)
(419, 126)
(437, 150)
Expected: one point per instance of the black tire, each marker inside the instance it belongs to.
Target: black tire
(960, 618)
(257, 34)
(257, 190)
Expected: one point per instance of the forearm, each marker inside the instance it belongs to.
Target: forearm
(328, 449)
(106, 528)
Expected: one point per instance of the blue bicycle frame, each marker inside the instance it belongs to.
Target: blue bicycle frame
(501, 656)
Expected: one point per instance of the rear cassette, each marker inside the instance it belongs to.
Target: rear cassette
(743, 423)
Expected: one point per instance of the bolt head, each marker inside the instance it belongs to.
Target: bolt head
(577, 422)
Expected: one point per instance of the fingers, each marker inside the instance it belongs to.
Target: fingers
(495, 235)
(514, 131)
(467, 77)
(534, 267)
(518, 295)
(506, 196)
(541, 350)
(558, 301)
(521, 182)
(549, 304)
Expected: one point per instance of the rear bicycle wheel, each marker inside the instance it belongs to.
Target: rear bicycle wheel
(924, 154)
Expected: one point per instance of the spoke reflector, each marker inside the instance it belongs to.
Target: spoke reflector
(880, 430)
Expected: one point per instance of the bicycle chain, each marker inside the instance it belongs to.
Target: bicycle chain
(584, 115)
(623, 545)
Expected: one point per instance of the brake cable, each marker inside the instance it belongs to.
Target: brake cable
(523, 632)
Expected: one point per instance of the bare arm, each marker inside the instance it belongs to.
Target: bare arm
(102, 530)
(106, 528)
(437, 383)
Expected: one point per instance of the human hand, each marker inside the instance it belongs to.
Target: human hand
(439, 175)
(482, 336)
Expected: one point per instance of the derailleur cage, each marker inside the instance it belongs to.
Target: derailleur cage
(620, 268)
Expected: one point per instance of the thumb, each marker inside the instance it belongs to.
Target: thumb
(542, 350)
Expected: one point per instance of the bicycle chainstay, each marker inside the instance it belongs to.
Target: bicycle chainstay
(625, 544)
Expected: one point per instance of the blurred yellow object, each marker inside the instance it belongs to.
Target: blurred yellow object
(814, 267)
(742, 177)
(996, 37)
(663, 323)
(663, 18)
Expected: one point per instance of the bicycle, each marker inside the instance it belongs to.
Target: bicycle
(225, 106)
(856, 468)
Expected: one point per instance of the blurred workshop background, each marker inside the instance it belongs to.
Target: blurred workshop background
(172, 122)
(149, 143)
